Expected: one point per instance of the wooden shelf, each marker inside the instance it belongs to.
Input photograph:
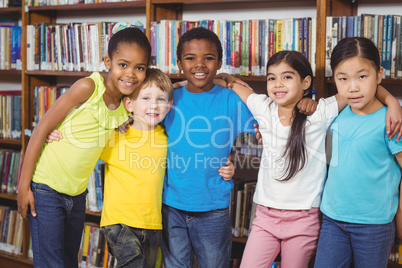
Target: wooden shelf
(160, 2)
(8, 196)
(15, 261)
(97, 214)
(115, 5)
(12, 72)
(385, 81)
(59, 73)
(241, 240)
(10, 142)
(10, 10)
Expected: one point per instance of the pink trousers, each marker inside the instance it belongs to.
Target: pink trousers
(294, 233)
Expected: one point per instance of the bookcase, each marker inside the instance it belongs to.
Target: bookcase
(157, 10)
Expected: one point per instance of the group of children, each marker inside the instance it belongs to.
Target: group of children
(171, 167)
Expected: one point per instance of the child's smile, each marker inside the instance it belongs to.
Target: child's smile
(199, 62)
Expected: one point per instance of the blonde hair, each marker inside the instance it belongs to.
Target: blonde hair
(160, 79)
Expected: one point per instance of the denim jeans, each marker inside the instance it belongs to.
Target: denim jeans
(57, 229)
(133, 247)
(368, 245)
(208, 235)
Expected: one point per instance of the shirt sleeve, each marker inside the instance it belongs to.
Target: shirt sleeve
(247, 121)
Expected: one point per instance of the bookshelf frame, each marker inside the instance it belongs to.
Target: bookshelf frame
(156, 10)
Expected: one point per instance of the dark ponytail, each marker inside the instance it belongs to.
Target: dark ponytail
(295, 150)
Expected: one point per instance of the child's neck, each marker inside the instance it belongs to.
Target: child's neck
(142, 127)
(112, 98)
(373, 106)
(194, 89)
(285, 115)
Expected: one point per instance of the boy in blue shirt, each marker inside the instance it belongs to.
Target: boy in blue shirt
(201, 129)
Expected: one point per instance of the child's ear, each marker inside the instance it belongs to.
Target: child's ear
(379, 75)
(169, 106)
(219, 65)
(128, 104)
(108, 62)
(179, 64)
(306, 82)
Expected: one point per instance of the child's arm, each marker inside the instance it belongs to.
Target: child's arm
(77, 94)
(227, 172)
(394, 114)
(398, 216)
(238, 86)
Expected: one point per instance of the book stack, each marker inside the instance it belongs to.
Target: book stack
(95, 188)
(93, 251)
(10, 114)
(242, 208)
(10, 168)
(10, 47)
(68, 47)
(44, 97)
(10, 3)
(384, 30)
(247, 44)
(10, 230)
(68, 2)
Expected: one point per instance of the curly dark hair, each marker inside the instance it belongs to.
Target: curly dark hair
(199, 33)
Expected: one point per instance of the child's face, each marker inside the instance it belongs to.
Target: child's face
(149, 106)
(285, 86)
(356, 80)
(199, 62)
(127, 68)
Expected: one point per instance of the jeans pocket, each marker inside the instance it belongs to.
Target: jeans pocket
(122, 243)
(42, 188)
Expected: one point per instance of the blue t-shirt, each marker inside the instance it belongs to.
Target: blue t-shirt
(363, 177)
(201, 129)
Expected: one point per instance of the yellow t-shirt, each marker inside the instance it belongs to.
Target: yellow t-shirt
(65, 165)
(134, 173)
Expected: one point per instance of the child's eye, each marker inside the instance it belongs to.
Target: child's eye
(363, 76)
(145, 98)
(140, 68)
(123, 65)
(189, 58)
(342, 79)
(161, 99)
(287, 77)
(271, 79)
(209, 58)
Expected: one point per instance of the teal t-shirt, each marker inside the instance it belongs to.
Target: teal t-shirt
(364, 175)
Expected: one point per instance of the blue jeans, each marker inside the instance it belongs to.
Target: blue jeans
(133, 247)
(368, 245)
(57, 229)
(208, 235)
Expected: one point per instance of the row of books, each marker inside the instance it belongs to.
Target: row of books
(396, 252)
(10, 3)
(93, 251)
(44, 97)
(247, 144)
(247, 44)
(10, 47)
(10, 230)
(68, 2)
(95, 188)
(242, 208)
(10, 168)
(68, 47)
(384, 30)
(10, 114)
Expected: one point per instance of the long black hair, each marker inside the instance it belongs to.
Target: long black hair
(295, 150)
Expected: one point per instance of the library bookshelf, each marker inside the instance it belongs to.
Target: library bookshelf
(155, 10)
